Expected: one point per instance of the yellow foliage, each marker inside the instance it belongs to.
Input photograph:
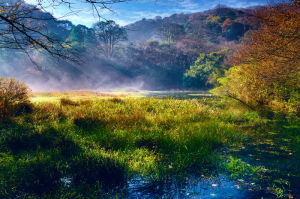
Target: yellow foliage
(266, 66)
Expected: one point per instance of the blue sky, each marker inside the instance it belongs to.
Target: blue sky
(134, 10)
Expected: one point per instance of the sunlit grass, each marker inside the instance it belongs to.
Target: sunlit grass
(76, 95)
(103, 139)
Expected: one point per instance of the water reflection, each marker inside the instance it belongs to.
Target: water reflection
(217, 187)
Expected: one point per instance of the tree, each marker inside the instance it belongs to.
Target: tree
(266, 67)
(171, 32)
(82, 36)
(205, 70)
(24, 27)
(110, 34)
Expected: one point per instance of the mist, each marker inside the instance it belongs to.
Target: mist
(59, 75)
(143, 57)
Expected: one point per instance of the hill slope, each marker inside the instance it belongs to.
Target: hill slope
(229, 23)
(153, 65)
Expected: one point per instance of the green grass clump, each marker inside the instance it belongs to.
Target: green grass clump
(102, 142)
(241, 169)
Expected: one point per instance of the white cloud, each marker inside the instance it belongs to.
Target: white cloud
(31, 1)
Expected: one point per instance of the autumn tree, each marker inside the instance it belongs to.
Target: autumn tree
(266, 67)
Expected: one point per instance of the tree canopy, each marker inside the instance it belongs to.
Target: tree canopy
(266, 67)
(205, 70)
(109, 33)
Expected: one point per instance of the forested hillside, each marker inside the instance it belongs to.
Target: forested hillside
(183, 51)
(216, 25)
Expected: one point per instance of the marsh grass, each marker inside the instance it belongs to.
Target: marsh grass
(240, 170)
(102, 142)
(74, 95)
(68, 102)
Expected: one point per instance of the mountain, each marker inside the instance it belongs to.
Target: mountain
(223, 22)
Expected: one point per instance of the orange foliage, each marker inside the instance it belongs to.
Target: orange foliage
(227, 22)
(267, 64)
(278, 38)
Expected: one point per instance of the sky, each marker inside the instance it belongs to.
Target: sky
(134, 10)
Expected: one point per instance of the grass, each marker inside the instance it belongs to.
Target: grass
(97, 142)
(56, 96)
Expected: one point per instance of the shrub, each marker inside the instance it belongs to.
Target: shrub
(12, 94)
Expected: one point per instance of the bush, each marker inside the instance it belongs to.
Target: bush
(12, 93)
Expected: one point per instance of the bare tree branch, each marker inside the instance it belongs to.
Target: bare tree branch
(24, 27)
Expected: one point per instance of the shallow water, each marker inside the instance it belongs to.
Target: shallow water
(189, 188)
(179, 94)
(219, 187)
(271, 146)
(276, 147)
